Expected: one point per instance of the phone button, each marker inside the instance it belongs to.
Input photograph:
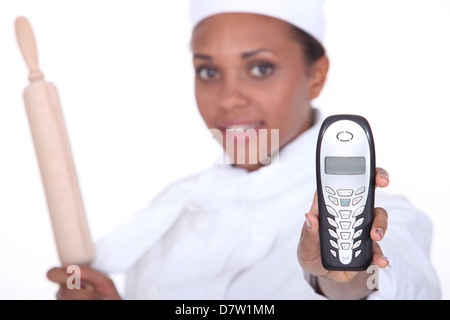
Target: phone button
(358, 223)
(357, 233)
(345, 192)
(334, 244)
(345, 256)
(360, 190)
(357, 200)
(344, 136)
(334, 200)
(332, 222)
(345, 235)
(357, 244)
(345, 214)
(358, 211)
(345, 225)
(332, 233)
(329, 190)
(331, 211)
(345, 202)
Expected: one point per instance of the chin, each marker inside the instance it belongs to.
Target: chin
(249, 167)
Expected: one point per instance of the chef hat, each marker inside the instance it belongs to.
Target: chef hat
(307, 15)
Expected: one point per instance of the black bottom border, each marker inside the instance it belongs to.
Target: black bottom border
(242, 309)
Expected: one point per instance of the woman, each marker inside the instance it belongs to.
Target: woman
(232, 231)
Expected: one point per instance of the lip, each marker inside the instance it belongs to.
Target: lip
(243, 124)
(241, 130)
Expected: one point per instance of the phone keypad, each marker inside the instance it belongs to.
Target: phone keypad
(344, 207)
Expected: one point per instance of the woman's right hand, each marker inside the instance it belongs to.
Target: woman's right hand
(94, 285)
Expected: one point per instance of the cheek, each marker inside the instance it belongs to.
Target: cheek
(287, 107)
(205, 105)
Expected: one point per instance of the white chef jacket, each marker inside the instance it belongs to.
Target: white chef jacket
(231, 234)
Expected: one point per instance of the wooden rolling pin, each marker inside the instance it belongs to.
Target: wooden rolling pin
(54, 155)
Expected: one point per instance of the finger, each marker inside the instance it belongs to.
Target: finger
(57, 275)
(381, 178)
(101, 282)
(378, 258)
(94, 284)
(61, 274)
(379, 225)
(65, 293)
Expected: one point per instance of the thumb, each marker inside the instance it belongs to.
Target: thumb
(312, 218)
(309, 245)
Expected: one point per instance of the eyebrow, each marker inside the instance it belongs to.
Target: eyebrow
(244, 55)
(202, 56)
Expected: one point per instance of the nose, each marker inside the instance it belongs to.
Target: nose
(232, 93)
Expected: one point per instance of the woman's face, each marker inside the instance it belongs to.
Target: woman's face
(251, 74)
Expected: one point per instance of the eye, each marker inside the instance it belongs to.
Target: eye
(261, 70)
(207, 73)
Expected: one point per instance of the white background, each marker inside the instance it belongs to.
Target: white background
(124, 75)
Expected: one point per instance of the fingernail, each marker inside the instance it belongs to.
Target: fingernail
(380, 232)
(385, 176)
(388, 266)
(308, 223)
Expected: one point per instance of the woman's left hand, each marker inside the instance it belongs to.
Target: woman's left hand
(308, 252)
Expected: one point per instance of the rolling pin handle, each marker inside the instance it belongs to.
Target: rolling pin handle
(27, 45)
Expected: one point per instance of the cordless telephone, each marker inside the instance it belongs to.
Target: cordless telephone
(345, 171)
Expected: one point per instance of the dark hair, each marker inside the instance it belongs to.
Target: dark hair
(312, 48)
